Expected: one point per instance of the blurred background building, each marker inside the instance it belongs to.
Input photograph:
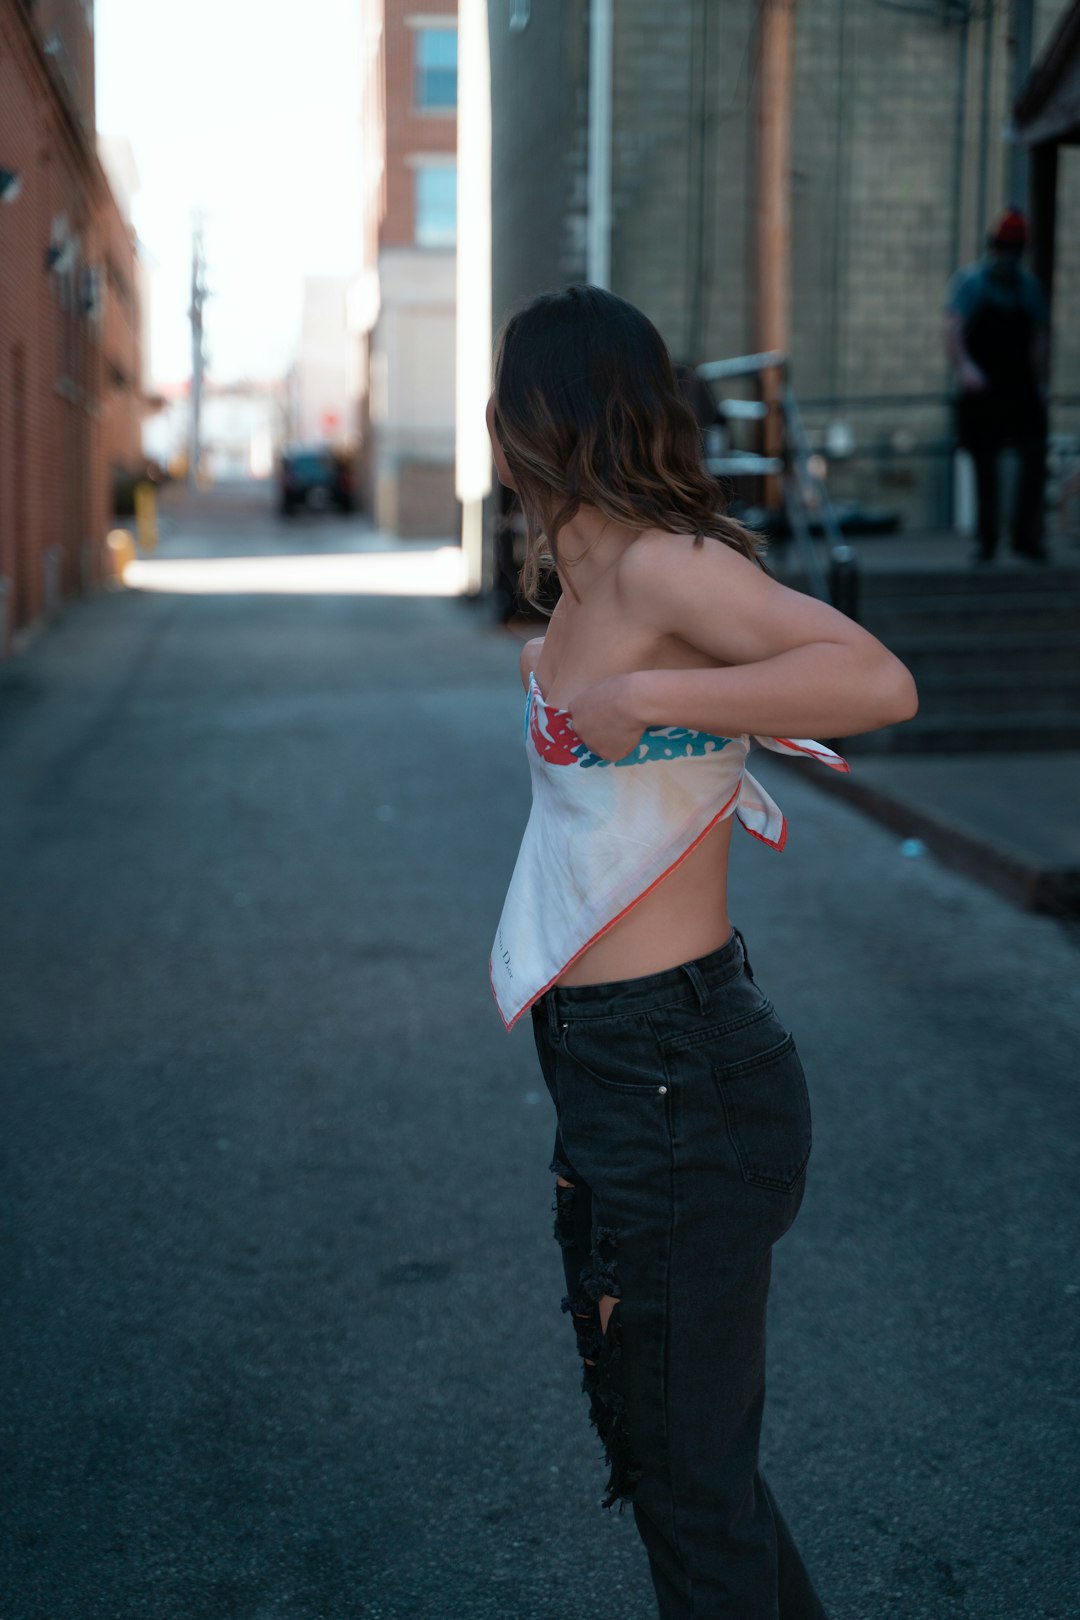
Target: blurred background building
(402, 305)
(899, 114)
(322, 386)
(242, 425)
(755, 175)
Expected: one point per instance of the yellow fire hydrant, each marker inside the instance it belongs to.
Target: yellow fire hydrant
(121, 549)
(146, 515)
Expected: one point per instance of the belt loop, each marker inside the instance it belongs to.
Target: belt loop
(697, 979)
(746, 955)
(552, 1016)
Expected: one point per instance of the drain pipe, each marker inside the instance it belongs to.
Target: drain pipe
(1022, 41)
(598, 221)
(982, 223)
(776, 49)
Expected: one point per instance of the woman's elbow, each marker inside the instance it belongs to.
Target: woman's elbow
(898, 697)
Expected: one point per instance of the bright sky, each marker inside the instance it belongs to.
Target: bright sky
(247, 110)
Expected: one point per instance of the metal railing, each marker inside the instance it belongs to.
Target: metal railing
(806, 499)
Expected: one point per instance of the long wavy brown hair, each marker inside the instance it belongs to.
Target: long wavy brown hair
(588, 412)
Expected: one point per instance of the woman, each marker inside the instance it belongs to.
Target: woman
(683, 1122)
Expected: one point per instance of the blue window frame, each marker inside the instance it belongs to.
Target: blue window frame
(435, 84)
(436, 204)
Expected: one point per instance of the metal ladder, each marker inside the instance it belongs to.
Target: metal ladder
(805, 495)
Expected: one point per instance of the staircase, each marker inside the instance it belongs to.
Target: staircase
(995, 654)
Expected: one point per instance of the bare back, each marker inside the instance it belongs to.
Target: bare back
(685, 916)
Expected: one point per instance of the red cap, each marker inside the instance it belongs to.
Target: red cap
(1010, 230)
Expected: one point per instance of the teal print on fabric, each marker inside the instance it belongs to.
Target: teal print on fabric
(661, 743)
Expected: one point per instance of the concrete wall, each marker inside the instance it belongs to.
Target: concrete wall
(538, 150)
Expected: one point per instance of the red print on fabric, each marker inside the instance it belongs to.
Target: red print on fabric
(553, 737)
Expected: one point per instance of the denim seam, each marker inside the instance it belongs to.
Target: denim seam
(700, 1037)
(572, 1014)
(664, 1371)
(571, 1010)
(627, 1088)
(731, 1071)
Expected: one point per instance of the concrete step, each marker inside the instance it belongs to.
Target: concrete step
(999, 692)
(1001, 579)
(967, 733)
(994, 581)
(1045, 611)
(1051, 655)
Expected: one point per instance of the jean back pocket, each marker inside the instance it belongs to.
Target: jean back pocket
(767, 1110)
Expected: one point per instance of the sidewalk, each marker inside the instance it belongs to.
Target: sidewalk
(1009, 820)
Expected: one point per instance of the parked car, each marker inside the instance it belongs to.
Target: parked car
(314, 475)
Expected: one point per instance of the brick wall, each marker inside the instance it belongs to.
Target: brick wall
(408, 131)
(120, 335)
(65, 28)
(53, 486)
(407, 462)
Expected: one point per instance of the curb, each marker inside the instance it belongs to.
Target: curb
(1052, 890)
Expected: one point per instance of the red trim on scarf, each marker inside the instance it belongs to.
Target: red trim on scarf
(835, 764)
(618, 918)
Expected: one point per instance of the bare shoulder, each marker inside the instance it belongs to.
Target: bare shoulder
(659, 562)
(530, 652)
(719, 601)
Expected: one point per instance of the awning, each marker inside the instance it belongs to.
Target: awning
(1048, 107)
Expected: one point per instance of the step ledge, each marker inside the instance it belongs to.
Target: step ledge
(1027, 882)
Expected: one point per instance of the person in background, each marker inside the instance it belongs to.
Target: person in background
(997, 336)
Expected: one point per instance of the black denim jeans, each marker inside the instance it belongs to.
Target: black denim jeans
(684, 1132)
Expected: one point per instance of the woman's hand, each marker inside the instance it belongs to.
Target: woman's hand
(605, 717)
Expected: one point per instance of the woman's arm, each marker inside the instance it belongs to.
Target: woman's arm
(795, 667)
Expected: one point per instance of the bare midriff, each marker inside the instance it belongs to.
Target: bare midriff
(683, 917)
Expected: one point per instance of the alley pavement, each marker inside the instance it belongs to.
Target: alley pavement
(282, 1337)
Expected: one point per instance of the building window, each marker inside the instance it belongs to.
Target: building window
(435, 85)
(436, 204)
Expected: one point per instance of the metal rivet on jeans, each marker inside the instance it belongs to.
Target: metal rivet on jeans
(661, 1091)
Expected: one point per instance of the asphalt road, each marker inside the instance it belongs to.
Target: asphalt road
(282, 1334)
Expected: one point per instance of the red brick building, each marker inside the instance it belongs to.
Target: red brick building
(404, 308)
(70, 350)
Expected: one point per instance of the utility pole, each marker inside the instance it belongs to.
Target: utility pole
(198, 356)
(776, 51)
(598, 226)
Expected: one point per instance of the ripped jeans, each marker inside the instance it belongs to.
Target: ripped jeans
(680, 1155)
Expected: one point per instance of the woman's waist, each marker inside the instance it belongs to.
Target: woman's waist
(719, 972)
(683, 915)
